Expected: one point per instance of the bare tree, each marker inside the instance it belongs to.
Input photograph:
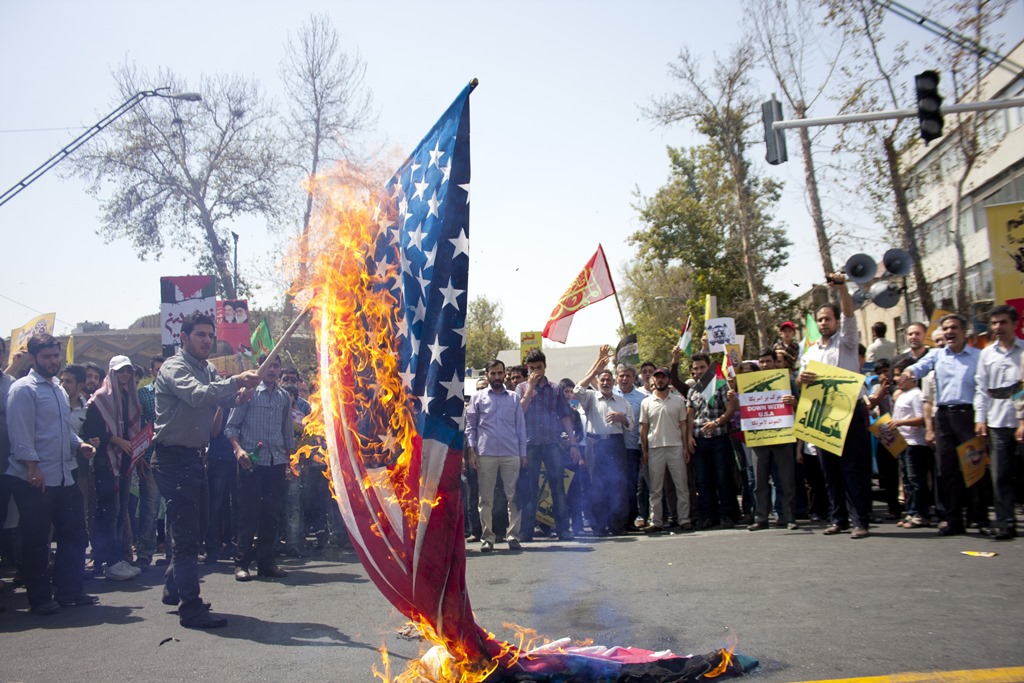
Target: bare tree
(181, 172)
(870, 85)
(722, 108)
(973, 18)
(788, 36)
(329, 105)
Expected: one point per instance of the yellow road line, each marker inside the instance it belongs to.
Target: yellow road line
(1013, 674)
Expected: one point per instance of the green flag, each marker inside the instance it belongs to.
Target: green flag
(812, 335)
(262, 342)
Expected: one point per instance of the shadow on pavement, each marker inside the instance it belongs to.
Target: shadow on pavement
(305, 634)
(19, 619)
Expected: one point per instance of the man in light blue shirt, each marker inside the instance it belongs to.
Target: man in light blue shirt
(955, 367)
(625, 387)
(41, 476)
(496, 441)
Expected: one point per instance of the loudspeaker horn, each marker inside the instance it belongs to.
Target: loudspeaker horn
(897, 262)
(885, 294)
(860, 268)
(860, 297)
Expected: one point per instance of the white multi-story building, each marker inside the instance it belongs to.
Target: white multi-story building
(997, 178)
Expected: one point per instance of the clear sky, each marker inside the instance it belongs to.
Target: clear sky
(559, 142)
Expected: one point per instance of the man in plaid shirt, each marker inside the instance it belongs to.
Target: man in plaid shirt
(714, 462)
(547, 418)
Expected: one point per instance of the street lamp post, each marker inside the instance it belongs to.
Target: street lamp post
(125, 107)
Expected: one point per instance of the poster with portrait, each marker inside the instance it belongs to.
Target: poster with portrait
(233, 324)
(720, 331)
(973, 455)
(1006, 238)
(764, 418)
(888, 436)
(181, 296)
(826, 406)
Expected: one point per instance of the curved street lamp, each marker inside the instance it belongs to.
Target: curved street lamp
(125, 107)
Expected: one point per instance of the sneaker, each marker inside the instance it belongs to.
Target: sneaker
(121, 571)
(792, 526)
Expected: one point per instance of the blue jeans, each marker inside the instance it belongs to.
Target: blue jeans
(223, 477)
(550, 456)
(149, 507)
(715, 465)
(112, 491)
(918, 464)
(294, 528)
(180, 477)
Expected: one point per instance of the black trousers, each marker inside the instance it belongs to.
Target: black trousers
(260, 501)
(62, 507)
(848, 477)
(181, 477)
(953, 426)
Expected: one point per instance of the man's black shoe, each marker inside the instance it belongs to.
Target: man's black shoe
(204, 620)
(1003, 535)
(80, 600)
(271, 572)
(242, 574)
(45, 608)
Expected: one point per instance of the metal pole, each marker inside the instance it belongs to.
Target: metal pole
(120, 111)
(897, 114)
(234, 236)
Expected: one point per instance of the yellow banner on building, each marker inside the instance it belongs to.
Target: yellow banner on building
(826, 406)
(764, 418)
(973, 455)
(41, 324)
(529, 341)
(1006, 244)
(888, 436)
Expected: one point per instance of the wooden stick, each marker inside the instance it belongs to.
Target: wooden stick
(284, 339)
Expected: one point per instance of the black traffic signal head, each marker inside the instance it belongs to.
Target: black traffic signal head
(929, 105)
(774, 140)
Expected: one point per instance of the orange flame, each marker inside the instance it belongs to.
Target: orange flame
(723, 664)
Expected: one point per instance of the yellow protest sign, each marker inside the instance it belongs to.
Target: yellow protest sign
(733, 358)
(545, 506)
(826, 406)
(528, 341)
(764, 418)
(888, 436)
(41, 324)
(973, 455)
(937, 315)
(1006, 240)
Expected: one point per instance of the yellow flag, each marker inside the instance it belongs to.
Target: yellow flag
(710, 307)
(826, 406)
(973, 459)
(41, 324)
(69, 351)
(887, 436)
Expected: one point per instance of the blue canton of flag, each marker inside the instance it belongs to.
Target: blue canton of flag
(428, 221)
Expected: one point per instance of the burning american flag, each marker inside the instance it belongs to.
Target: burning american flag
(389, 309)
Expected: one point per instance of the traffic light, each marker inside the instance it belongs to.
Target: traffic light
(929, 105)
(774, 140)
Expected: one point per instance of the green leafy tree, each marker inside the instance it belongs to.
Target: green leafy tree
(690, 246)
(485, 336)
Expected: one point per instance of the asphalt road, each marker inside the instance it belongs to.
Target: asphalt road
(808, 606)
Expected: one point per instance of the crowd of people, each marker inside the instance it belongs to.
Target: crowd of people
(623, 451)
(168, 466)
(129, 463)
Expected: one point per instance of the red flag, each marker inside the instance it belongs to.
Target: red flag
(592, 284)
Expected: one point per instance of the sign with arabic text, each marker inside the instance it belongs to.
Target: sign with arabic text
(764, 418)
(826, 406)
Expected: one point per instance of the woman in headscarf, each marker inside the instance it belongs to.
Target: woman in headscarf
(113, 417)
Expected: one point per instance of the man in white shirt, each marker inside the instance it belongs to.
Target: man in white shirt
(663, 426)
(880, 347)
(609, 417)
(997, 379)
